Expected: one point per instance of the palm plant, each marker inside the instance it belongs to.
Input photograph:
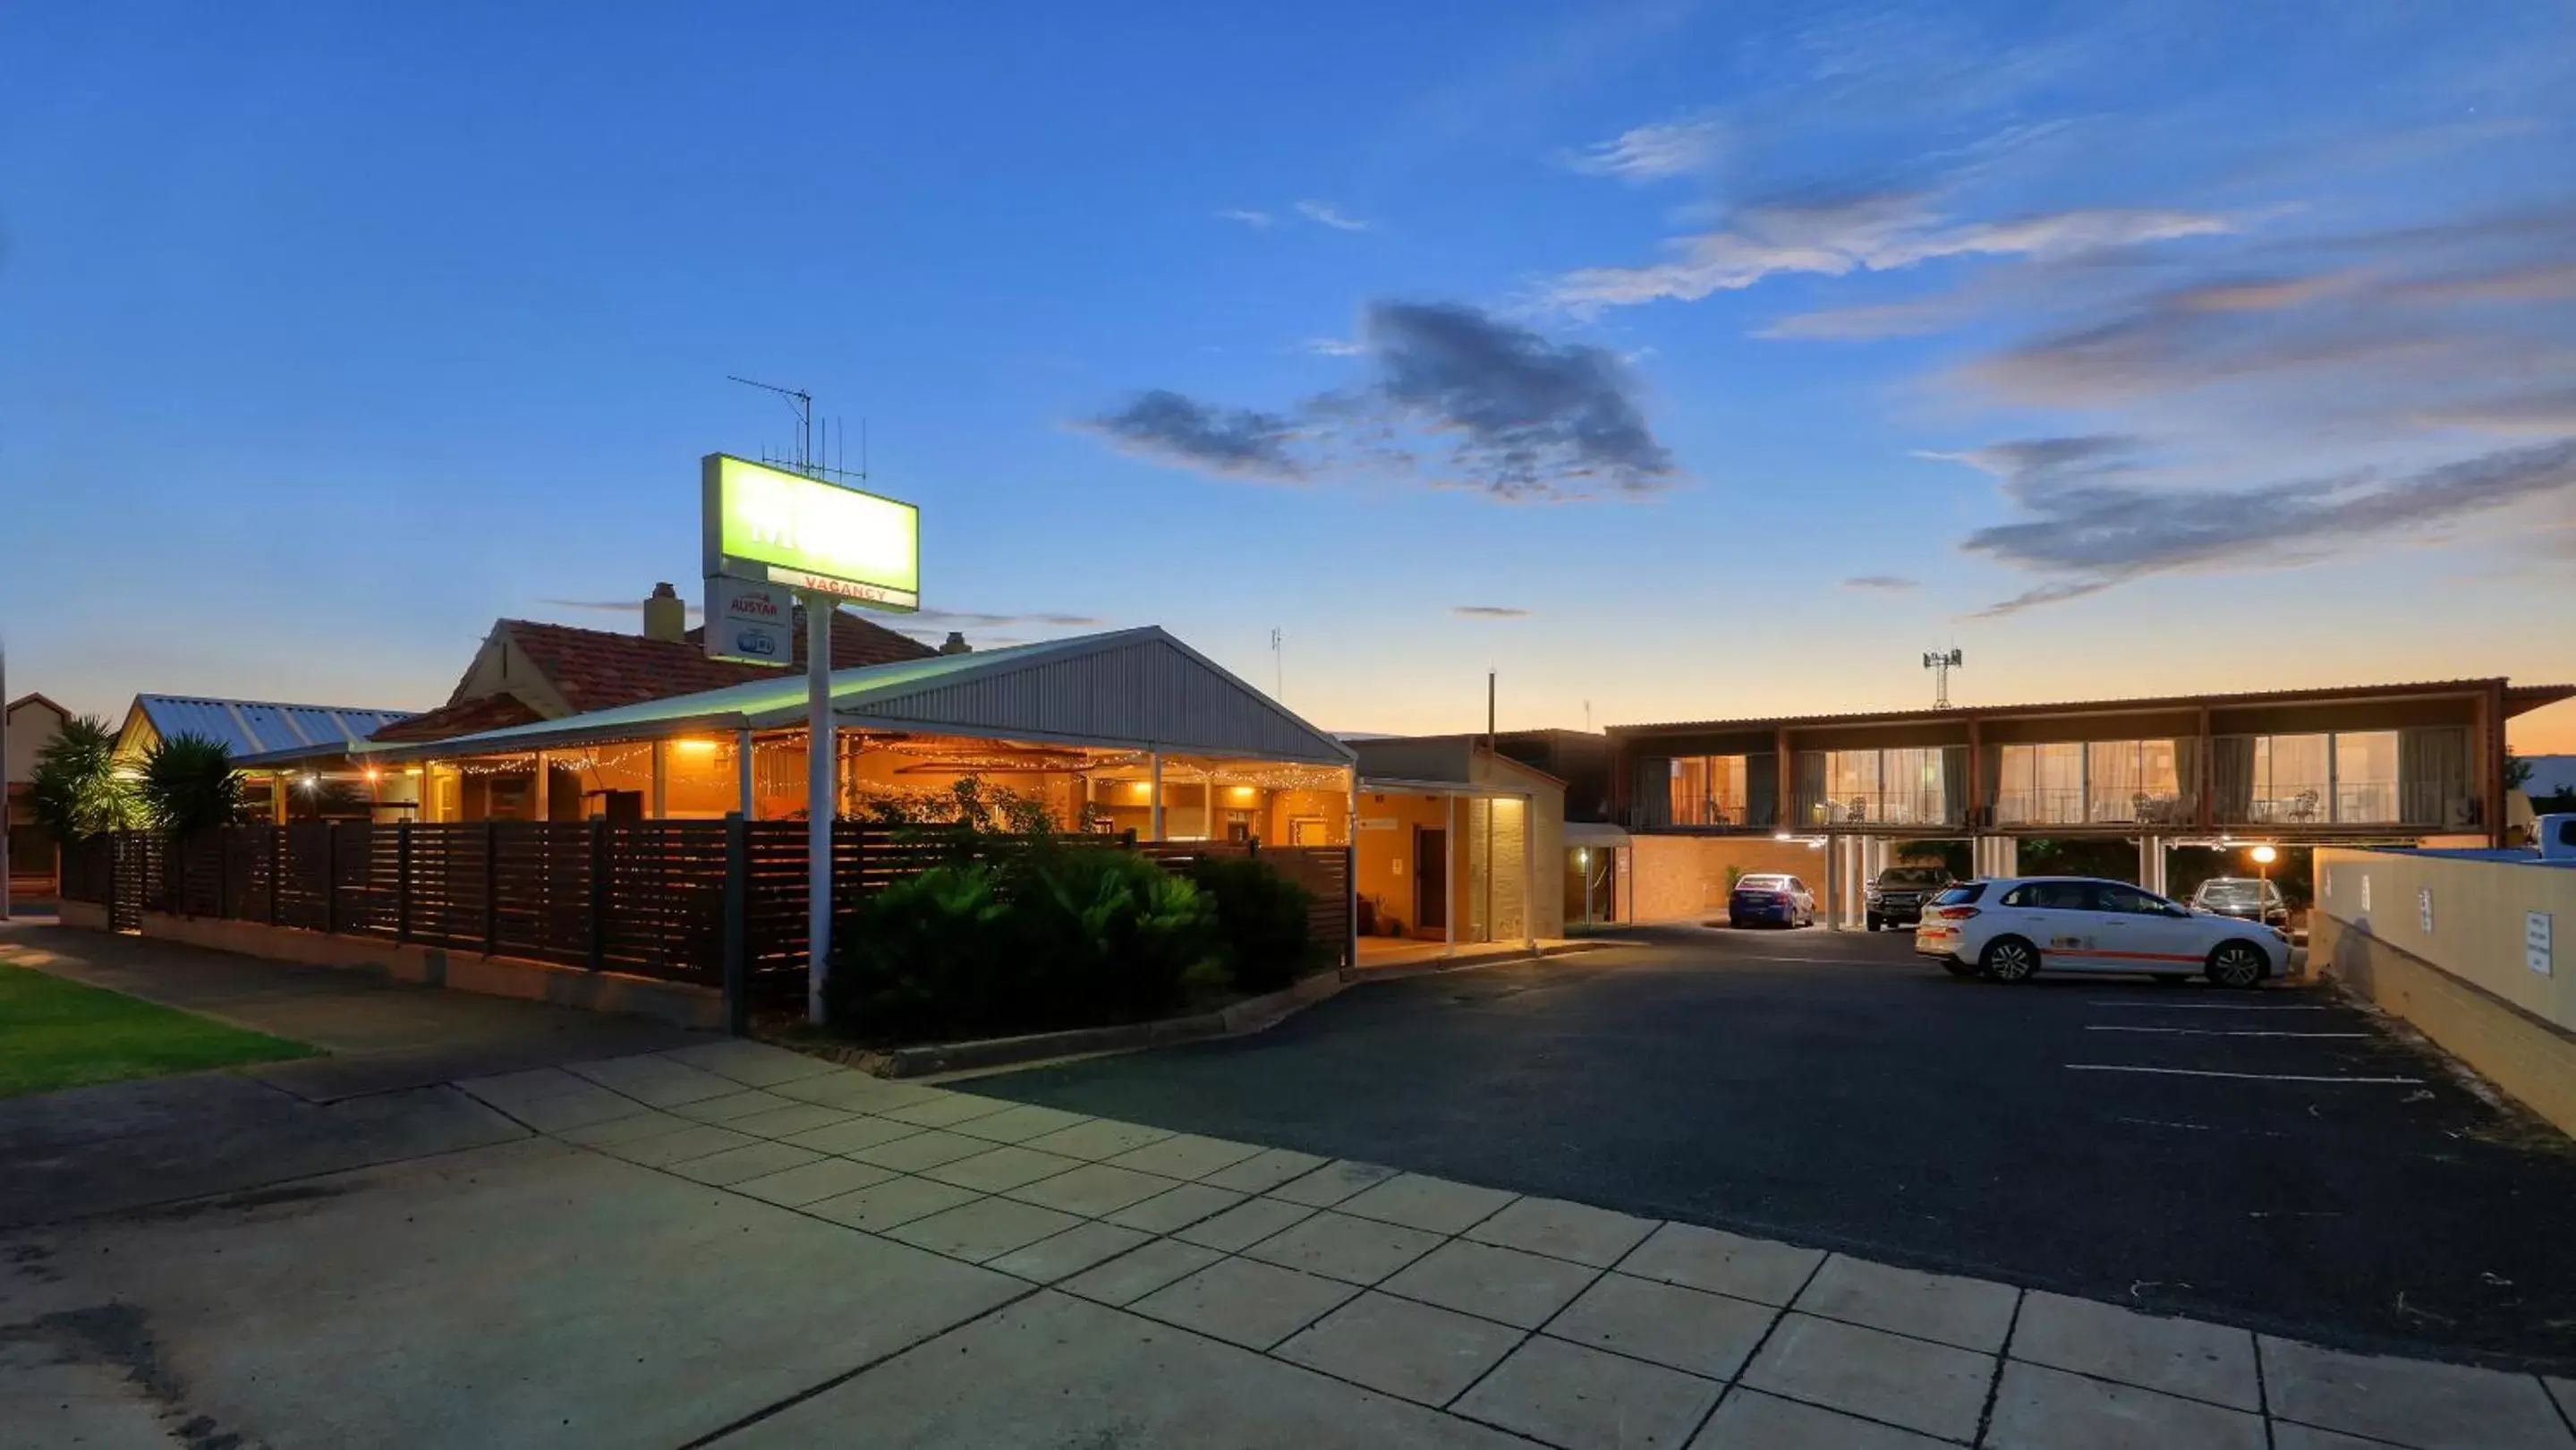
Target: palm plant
(188, 784)
(75, 790)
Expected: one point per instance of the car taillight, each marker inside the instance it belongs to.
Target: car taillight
(1955, 913)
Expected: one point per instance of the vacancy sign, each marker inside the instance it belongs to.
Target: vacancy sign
(753, 624)
(769, 526)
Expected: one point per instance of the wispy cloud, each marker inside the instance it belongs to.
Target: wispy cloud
(1489, 611)
(633, 608)
(1326, 214)
(1244, 216)
(2087, 531)
(1518, 415)
(1880, 232)
(1883, 583)
(1334, 347)
(971, 619)
(1653, 152)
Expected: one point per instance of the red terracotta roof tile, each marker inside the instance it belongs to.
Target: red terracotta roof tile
(594, 669)
(465, 717)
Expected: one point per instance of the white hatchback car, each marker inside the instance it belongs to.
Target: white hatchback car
(2010, 927)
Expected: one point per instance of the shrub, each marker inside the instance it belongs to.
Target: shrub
(927, 954)
(74, 790)
(1125, 930)
(188, 784)
(1260, 921)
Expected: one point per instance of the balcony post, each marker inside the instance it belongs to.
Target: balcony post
(1784, 798)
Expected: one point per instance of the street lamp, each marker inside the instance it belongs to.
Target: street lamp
(2264, 856)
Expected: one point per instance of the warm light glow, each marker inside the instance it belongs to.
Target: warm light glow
(2265, 855)
(374, 775)
(694, 747)
(309, 780)
(1243, 792)
(411, 770)
(1144, 787)
(1582, 856)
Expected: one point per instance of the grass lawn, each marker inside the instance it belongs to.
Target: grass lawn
(57, 1034)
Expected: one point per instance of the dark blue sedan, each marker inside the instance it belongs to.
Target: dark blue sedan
(1770, 899)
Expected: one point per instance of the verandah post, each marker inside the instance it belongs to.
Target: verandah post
(402, 881)
(737, 924)
(598, 914)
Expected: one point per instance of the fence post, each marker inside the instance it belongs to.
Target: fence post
(737, 924)
(491, 888)
(1351, 907)
(598, 893)
(331, 879)
(223, 872)
(402, 881)
(276, 875)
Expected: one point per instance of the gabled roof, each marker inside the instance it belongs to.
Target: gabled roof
(259, 727)
(33, 697)
(1129, 688)
(465, 717)
(598, 669)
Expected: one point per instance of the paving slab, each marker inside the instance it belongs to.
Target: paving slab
(925, 1149)
(2564, 1392)
(1687, 1329)
(1337, 1246)
(2286, 1436)
(753, 1064)
(660, 1150)
(945, 1110)
(880, 1207)
(985, 1229)
(1176, 1208)
(1581, 1399)
(1019, 1123)
(2410, 1402)
(649, 1123)
(1519, 1289)
(1752, 1420)
(998, 1168)
(788, 1121)
(1404, 1348)
(1242, 1302)
(1330, 1184)
(1185, 1155)
(1054, 1371)
(1266, 1170)
(853, 1133)
(1969, 1313)
(1419, 1201)
(1132, 1276)
(755, 1159)
(1096, 1138)
(1094, 1190)
(654, 1080)
(509, 1091)
(1876, 1375)
(1763, 1270)
(1563, 1230)
(815, 1181)
(1245, 1224)
(2178, 1356)
(548, 1297)
(735, 1105)
(1070, 1252)
(856, 1091)
(585, 1105)
(2037, 1408)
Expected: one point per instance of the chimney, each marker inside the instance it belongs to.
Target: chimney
(956, 644)
(665, 617)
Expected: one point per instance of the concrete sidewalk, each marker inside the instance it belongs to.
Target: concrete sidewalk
(731, 1245)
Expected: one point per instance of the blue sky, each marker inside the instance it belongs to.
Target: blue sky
(1726, 356)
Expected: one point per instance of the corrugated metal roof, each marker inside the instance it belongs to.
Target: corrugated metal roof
(261, 727)
(2518, 698)
(1131, 687)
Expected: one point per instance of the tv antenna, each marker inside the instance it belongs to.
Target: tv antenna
(1941, 663)
(1278, 670)
(808, 461)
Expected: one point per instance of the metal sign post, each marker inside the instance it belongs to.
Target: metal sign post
(821, 803)
(4, 784)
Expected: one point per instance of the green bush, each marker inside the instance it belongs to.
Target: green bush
(927, 949)
(1260, 921)
(1124, 930)
(189, 785)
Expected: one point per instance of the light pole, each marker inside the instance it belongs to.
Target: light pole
(2263, 859)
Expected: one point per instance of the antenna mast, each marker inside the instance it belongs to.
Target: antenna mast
(1941, 663)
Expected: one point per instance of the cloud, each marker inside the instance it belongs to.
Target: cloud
(2031, 469)
(1842, 324)
(1653, 152)
(2092, 532)
(1880, 232)
(1325, 213)
(2548, 410)
(631, 607)
(1885, 583)
(1334, 347)
(1519, 416)
(1244, 216)
(1488, 611)
(964, 618)
(1163, 424)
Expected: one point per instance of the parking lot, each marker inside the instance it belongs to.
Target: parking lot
(2275, 1159)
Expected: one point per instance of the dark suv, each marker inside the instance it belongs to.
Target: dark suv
(1896, 898)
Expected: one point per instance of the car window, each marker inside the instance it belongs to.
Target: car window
(1797, 885)
(1760, 883)
(1911, 876)
(1961, 894)
(2053, 896)
(2128, 899)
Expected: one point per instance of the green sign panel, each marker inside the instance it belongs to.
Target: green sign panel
(776, 527)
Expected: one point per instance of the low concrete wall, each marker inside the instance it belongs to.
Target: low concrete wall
(675, 1002)
(82, 913)
(2464, 983)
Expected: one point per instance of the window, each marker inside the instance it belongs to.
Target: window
(2040, 785)
(2365, 775)
(1961, 894)
(2053, 896)
(2132, 780)
(1708, 790)
(2292, 778)
(2128, 900)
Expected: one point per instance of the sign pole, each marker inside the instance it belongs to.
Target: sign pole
(4, 786)
(821, 800)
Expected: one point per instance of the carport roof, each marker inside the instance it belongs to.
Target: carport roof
(2518, 699)
(1130, 688)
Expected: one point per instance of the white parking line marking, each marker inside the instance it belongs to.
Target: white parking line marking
(2221, 1032)
(2223, 1006)
(2242, 1076)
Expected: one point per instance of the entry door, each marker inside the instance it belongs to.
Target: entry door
(1431, 878)
(2140, 929)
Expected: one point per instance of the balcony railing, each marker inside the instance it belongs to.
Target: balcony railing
(1876, 808)
(1710, 815)
(2373, 803)
(2098, 807)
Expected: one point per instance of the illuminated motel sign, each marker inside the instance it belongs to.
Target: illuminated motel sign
(769, 526)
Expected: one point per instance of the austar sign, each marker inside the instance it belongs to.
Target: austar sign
(771, 526)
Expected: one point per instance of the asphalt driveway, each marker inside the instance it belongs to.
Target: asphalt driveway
(2277, 1160)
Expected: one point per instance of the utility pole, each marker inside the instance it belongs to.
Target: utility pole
(1489, 710)
(1941, 663)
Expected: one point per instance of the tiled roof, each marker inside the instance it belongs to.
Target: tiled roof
(594, 669)
(465, 717)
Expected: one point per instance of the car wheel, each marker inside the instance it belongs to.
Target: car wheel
(2009, 959)
(2238, 964)
(1875, 923)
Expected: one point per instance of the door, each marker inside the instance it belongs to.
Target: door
(2145, 932)
(2059, 917)
(1431, 878)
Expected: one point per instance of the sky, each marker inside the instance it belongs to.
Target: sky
(1673, 361)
